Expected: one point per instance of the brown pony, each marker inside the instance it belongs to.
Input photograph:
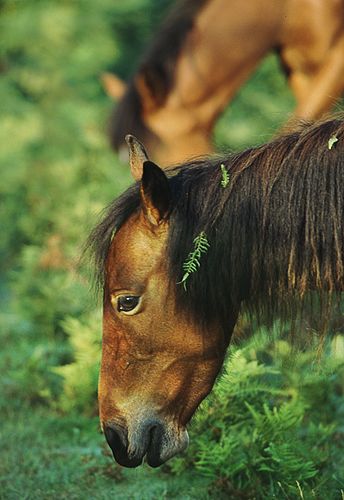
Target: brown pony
(181, 252)
(206, 50)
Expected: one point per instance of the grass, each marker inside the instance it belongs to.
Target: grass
(45, 455)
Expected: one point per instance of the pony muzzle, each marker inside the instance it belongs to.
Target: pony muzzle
(153, 440)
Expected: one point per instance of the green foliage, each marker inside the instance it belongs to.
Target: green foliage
(81, 375)
(24, 367)
(46, 294)
(193, 261)
(225, 176)
(133, 22)
(269, 425)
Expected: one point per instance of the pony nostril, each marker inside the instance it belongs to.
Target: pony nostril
(155, 443)
(115, 439)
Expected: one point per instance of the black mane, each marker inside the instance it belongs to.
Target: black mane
(157, 70)
(276, 231)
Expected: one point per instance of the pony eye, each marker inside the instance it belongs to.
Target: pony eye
(127, 303)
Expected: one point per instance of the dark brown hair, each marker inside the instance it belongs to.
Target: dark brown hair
(276, 231)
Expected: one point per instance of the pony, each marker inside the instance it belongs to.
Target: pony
(205, 51)
(184, 250)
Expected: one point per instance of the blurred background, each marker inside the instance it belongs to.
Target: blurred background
(273, 428)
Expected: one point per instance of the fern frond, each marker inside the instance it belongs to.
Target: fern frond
(225, 176)
(193, 262)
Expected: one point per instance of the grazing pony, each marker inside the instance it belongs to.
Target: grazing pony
(206, 50)
(182, 251)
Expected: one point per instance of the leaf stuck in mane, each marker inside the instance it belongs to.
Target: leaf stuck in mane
(225, 176)
(332, 141)
(192, 263)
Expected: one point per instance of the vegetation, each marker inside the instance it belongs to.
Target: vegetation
(272, 424)
(272, 429)
(193, 262)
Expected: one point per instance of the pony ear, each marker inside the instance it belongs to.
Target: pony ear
(137, 156)
(114, 87)
(155, 193)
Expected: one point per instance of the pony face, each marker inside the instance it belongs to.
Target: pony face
(157, 364)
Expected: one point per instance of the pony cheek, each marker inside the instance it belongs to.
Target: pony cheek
(192, 406)
(186, 387)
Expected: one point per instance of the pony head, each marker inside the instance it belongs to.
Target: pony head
(157, 362)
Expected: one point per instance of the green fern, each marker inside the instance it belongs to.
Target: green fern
(225, 176)
(262, 432)
(192, 263)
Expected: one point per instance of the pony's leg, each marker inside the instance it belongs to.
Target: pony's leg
(317, 91)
